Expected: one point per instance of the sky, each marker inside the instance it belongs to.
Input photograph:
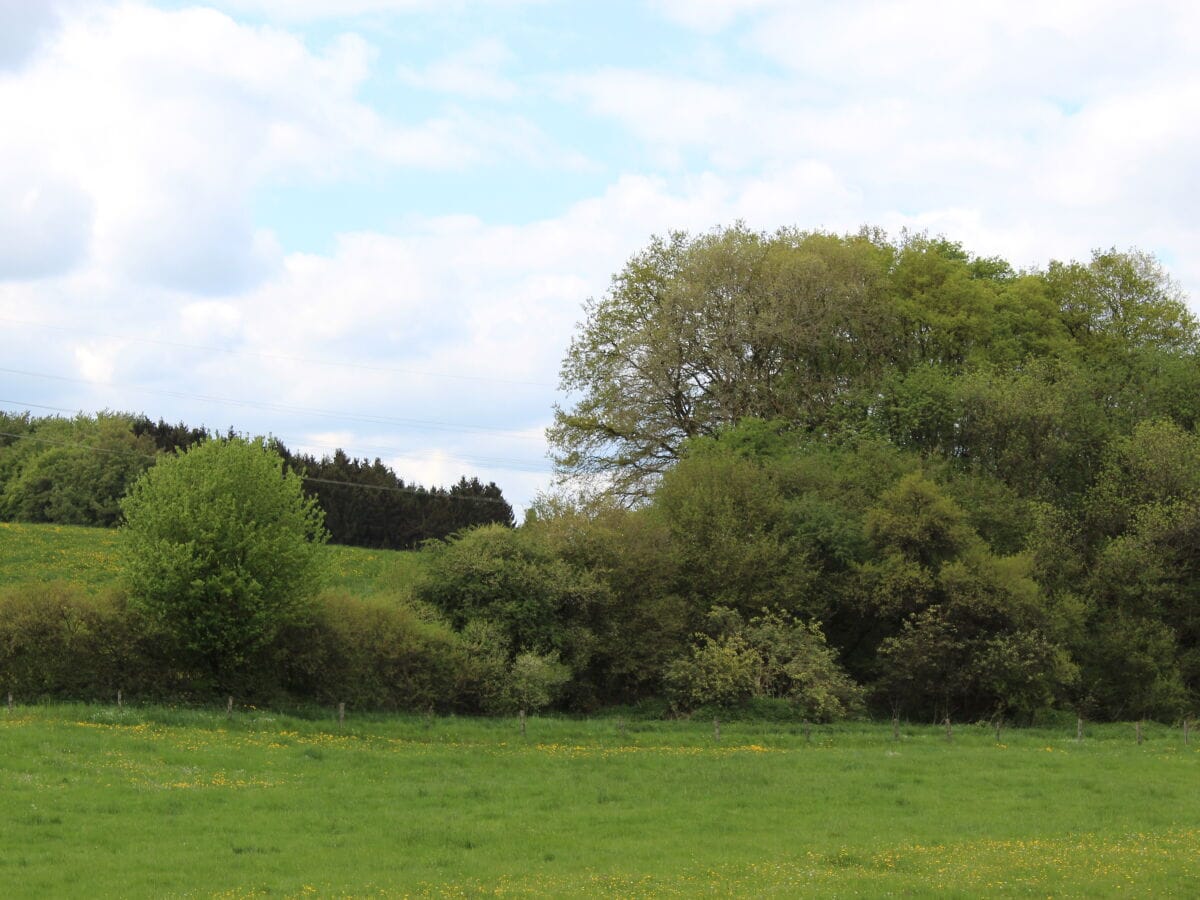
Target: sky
(373, 224)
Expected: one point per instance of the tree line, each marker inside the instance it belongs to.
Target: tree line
(74, 471)
(825, 474)
(981, 486)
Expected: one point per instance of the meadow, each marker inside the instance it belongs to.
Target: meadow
(88, 556)
(107, 801)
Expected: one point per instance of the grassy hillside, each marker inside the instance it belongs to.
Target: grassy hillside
(159, 802)
(87, 556)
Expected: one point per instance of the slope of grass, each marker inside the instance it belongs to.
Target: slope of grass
(87, 556)
(159, 802)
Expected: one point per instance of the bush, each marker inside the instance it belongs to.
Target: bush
(374, 657)
(497, 682)
(771, 656)
(718, 672)
(220, 548)
(57, 642)
(513, 579)
(534, 680)
(73, 471)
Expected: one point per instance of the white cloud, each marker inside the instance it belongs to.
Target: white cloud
(710, 15)
(26, 24)
(474, 72)
(667, 111)
(209, 319)
(45, 221)
(97, 360)
(1031, 128)
(985, 52)
(151, 130)
(310, 10)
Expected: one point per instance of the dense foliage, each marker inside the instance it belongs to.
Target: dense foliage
(70, 471)
(1022, 375)
(980, 484)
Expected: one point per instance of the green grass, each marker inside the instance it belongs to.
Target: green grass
(84, 556)
(374, 573)
(87, 556)
(162, 802)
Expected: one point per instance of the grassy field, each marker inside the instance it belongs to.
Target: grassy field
(87, 556)
(101, 801)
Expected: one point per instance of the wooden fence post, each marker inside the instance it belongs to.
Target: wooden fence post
(949, 730)
(341, 714)
(717, 730)
(895, 726)
(1187, 721)
(522, 723)
(120, 699)
(1138, 729)
(10, 701)
(229, 707)
(1079, 729)
(999, 724)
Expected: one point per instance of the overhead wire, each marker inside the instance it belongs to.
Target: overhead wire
(278, 356)
(508, 463)
(281, 407)
(426, 492)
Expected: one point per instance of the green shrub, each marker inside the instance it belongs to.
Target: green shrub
(374, 656)
(718, 672)
(534, 680)
(770, 656)
(56, 641)
(220, 548)
(513, 579)
(497, 682)
(485, 680)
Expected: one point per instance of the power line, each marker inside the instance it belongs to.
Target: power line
(114, 450)
(424, 492)
(516, 465)
(440, 492)
(277, 356)
(280, 407)
(25, 405)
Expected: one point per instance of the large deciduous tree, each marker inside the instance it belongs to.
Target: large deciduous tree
(697, 333)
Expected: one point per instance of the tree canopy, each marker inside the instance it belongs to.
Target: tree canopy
(941, 350)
